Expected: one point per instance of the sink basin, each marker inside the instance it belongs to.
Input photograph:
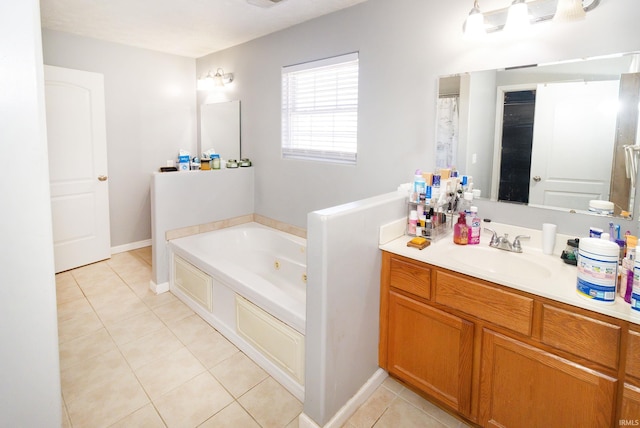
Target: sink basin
(498, 262)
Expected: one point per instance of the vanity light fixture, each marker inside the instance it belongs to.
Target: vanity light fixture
(474, 25)
(569, 10)
(517, 17)
(212, 81)
(538, 10)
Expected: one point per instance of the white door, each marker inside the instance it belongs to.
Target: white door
(77, 145)
(573, 137)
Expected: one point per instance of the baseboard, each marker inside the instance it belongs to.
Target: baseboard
(163, 287)
(350, 407)
(131, 246)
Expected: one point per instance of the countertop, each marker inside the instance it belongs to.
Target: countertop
(530, 271)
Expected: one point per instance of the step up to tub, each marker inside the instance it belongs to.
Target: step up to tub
(280, 343)
(193, 282)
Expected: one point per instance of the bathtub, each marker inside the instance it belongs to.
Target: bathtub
(248, 282)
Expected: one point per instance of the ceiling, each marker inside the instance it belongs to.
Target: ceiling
(191, 28)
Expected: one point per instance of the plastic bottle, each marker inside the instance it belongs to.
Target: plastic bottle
(461, 231)
(413, 222)
(419, 185)
(474, 228)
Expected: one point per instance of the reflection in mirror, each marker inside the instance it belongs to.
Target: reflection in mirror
(555, 135)
(220, 129)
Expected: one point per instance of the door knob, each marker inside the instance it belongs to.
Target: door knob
(537, 178)
(102, 177)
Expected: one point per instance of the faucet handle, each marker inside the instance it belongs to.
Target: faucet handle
(494, 236)
(516, 242)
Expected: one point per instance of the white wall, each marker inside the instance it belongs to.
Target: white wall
(151, 113)
(30, 393)
(404, 46)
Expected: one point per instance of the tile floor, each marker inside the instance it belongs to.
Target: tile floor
(130, 358)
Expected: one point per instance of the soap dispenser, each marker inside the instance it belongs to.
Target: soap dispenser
(461, 231)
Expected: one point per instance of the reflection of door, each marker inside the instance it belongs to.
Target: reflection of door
(517, 137)
(573, 143)
(77, 148)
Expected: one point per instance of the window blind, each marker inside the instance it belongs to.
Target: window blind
(320, 110)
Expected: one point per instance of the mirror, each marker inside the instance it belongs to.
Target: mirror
(220, 128)
(552, 135)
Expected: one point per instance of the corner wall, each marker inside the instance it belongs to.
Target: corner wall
(30, 394)
(343, 301)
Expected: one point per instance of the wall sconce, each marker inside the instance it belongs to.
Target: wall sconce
(210, 82)
(525, 13)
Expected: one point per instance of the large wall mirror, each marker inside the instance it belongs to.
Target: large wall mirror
(554, 135)
(220, 128)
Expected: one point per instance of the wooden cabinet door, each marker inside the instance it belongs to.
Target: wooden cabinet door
(522, 386)
(431, 350)
(630, 414)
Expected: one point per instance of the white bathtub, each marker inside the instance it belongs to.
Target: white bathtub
(263, 266)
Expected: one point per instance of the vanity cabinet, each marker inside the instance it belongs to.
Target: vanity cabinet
(500, 357)
(419, 333)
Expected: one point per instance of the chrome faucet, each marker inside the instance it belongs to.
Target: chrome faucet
(502, 242)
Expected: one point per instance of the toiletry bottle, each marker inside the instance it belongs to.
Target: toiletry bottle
(413, 222)
(419, 185)
(474, 229)
(428, 227)
(461, 231)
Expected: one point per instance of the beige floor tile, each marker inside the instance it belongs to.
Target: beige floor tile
(140, 288)
(154, 300)
(151, 347)
(193, 402)
(212, 349)
(134, 328)
(145, 254)
(270, 404)
(172, 311)
(393, 385)
(125, 261)
(123, 310)
(113, 295)
(191, 329)
(232, 416)
(428, 407)
(77, 350)
(239, 374)
(167, 373)
(95, 372)
(372, 409)
(145, 417)
(106, 404)
(139, 274)
(68, 291)
(73, 308)
(294, 423)
(82, 324)
(64, 278)
(109, 284)
(402, 414)
(85, 275)
(66, 422)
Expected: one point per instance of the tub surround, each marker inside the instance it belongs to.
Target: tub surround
(530, 271)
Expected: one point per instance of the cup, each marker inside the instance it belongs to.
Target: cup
(548, 237)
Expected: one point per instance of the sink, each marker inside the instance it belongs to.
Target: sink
(498, 262)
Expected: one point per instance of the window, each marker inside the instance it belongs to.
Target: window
(320, 110)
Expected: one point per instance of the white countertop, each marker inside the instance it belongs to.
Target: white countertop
(530, 271)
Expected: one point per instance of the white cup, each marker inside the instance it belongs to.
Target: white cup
(548, 237)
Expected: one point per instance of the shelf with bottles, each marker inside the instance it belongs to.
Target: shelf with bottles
(429, 220)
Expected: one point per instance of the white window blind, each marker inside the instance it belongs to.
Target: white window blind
(320, 110)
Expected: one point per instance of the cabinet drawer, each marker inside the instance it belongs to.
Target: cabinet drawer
(633, 354)
(489, 303)
(580, 335)
(410, 277)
